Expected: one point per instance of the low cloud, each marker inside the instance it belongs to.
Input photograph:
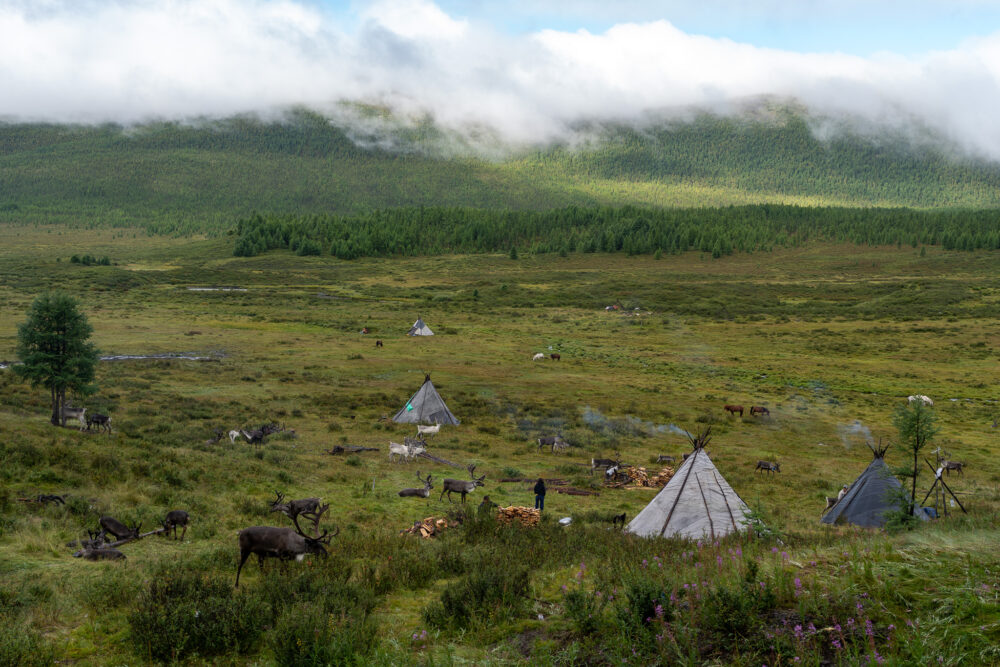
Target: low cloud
(132, 61)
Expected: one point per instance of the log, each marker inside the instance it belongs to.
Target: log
(349, 449)
(549, 482)
(577, 492)
(440, 460)
(112, 545)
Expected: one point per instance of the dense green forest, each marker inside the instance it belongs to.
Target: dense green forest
(179, 178)
(629, 229)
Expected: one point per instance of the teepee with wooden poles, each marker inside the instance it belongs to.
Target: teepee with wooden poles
(425, 407)
(874, 494)
(697, 502)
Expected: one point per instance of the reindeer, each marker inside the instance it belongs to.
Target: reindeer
(948, 466)
(663, 458)
(554, 441)
(282, 543)
(175, 518)
(401, 452)
(99, 553)
(95, 541)
(233, 436)
(418, 493)
(306, 507)
(767, 466)
(111, 525)
(429, 430)
(605, 463)
(618, 521)
(103, 422)
(461, 486)
(69, 412)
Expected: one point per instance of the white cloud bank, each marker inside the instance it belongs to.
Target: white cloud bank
(130, 61)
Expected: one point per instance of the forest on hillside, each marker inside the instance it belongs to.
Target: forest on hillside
(199, 177)
(629, 229)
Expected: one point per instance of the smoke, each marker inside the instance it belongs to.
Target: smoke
(136, 60)
(855, 430)
(630, 425)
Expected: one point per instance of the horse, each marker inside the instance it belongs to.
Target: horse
(378, 343)
(759, 410)
(733, 409)
(555, 356)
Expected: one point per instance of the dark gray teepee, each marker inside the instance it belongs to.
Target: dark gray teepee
(874, 493)
(425, 407)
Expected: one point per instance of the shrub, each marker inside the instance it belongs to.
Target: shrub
(179, 615)
(482, 597)
(22, 646)
(306, 635)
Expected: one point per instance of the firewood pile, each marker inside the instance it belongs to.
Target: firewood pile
(427, 528)
(637, 476)
(526, 515)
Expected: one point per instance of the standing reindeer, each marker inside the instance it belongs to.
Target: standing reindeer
(767, 466)
(605, 463)
(306, 507)
(175, 518)
(282, 543)
(418, 493)
(461, 486)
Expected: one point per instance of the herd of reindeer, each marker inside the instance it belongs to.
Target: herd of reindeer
(288, 543)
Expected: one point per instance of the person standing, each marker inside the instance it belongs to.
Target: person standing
(540, 494)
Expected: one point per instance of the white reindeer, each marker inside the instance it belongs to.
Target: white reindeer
(233, 435)
(429, 430)
(538, 357)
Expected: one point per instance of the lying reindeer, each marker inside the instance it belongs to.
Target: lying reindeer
(418, 493)
(605, 463)
(99, 553)
(461, 486)
(282, 543)
(111, 525)
(767, 466)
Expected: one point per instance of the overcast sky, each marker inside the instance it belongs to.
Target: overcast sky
(527, 70)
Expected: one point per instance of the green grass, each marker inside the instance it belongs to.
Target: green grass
(821, 334)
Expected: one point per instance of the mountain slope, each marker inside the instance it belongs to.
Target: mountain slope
(171, 177)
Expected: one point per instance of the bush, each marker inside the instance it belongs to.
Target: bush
(480, 598)
(22, 646)
(739, 613)
(182, 615)
(305, 635)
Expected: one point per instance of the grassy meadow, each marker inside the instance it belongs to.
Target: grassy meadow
(831, 338)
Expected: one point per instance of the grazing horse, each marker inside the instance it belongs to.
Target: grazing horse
(759, 410)
(378, 343)
(733, 409)
(555, 356)
(539, 356)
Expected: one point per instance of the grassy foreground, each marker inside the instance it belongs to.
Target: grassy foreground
(830, 338)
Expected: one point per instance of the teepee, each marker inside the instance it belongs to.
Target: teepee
(697, 502)
(419, 329)
(425, 407)
(874, 493)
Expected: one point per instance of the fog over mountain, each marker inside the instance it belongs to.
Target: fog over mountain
(134, 61)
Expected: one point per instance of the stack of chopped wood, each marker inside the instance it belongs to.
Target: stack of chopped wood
(428, 528)
(636, 476)
(526, 515)
(661, 478)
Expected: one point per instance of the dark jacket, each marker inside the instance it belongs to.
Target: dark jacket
(540, 487)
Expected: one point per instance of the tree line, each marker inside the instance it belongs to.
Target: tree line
(628, 229)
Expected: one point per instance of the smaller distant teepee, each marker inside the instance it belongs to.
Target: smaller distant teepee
(425, 407)
(874, 493)
(419, 329)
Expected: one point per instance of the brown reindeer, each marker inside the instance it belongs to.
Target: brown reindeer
(948, 466)
(175, 518)
(733, 409)
(282, 543)
(461, 486)
(111, 525)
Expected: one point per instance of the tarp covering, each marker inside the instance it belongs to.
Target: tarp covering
(696, 503)
(873, 494)
(419, 329)
(425, 407)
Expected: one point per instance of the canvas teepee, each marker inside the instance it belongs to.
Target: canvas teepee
(697, 502)
(419, 329)
(425, 407)
(874, 493)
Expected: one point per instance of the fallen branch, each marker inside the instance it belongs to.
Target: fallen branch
(112, 545)
(440, 460)
(577, 492)
(349, 449)
(550, 482)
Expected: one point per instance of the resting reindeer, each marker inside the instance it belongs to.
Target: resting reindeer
(99, 553)
(767, 466)
(282, 543)
(175, 518)
(605, 463)
(461, 486)
(429, 430)
(111, 525)
(418, 493)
